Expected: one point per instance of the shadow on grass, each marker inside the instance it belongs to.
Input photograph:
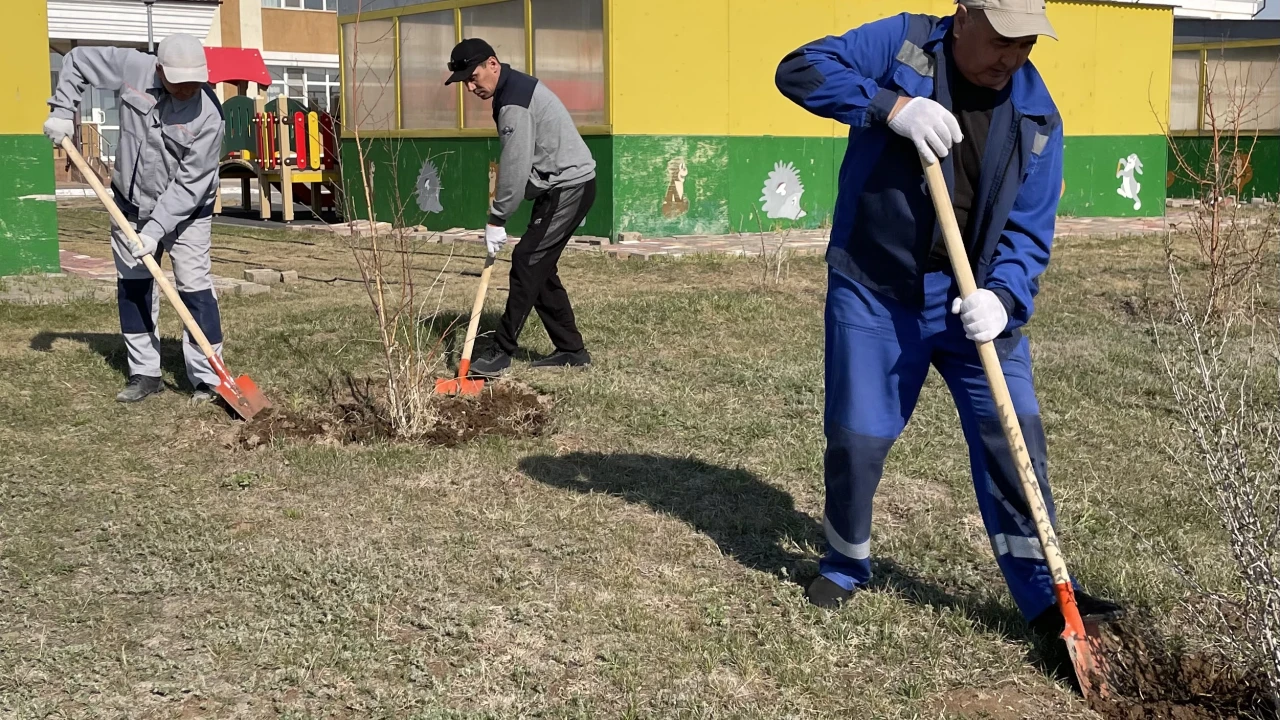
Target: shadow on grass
(754, 522)
(111, 347)
(453, 328)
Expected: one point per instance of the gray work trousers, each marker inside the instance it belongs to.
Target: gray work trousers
(139, 299)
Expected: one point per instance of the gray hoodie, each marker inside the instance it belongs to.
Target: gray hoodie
(541, 147)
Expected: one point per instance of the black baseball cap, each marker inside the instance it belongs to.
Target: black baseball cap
(466, 56)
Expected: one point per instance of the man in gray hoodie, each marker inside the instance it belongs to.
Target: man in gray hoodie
(543, 159)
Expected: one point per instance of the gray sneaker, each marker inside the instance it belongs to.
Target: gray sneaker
(139, 387)
(204, 393)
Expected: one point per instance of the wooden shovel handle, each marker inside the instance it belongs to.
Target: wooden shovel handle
(476, 308)
(995, 378)
(127, 228)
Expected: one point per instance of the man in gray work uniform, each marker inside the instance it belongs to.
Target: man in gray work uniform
(545, 159)
(165, 173)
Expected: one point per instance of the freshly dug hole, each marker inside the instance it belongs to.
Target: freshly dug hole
(1149, 679)
(504, 408)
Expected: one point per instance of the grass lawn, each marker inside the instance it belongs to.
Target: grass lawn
(643, 557)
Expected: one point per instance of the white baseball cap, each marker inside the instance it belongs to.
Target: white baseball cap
(1015, 18)
(182, 57)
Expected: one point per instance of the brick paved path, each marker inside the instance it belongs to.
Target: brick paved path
(104, 270)
(796, 242)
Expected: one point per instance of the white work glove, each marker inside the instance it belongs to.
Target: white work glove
(149, 245)
(57, 128)
(930, 126)
(983, 315)
(494, 238)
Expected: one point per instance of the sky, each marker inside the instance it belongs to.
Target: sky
(1271, 11)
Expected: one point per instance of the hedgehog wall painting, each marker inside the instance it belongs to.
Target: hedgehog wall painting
(782, 191)
(428, 189)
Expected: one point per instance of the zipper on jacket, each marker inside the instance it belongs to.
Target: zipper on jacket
(1005, 157)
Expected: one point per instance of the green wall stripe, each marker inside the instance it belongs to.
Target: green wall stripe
(1089, 170)
(462, 165)
(724, 181)
(28, 227)
(727, 175)
(1263, 172)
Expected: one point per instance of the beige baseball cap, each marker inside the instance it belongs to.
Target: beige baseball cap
(1014, 18)
(182, 57)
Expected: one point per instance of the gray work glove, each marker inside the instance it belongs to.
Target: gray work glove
(56, 128)
(149, 245)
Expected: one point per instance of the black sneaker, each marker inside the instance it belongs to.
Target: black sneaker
(139, 387)
(491, 364)
(1093, 611)
(824, 593)
(582, 358)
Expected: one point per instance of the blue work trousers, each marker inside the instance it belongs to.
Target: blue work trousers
(878, 353)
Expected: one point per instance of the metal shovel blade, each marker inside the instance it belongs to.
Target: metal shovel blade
(1087, 674)
(459, 386)
(243, 396)
(1084, 647)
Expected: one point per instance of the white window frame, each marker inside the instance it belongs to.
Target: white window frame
(329, 5)
(332, 83)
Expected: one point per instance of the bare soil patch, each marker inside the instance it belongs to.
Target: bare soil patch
(1150, 678)
(504, 409)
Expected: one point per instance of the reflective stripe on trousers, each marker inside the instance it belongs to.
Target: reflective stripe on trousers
(878, 354)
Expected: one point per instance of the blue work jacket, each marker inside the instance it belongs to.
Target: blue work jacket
(885, 225)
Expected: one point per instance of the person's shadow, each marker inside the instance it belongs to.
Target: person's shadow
(755, 524)
(111, 347)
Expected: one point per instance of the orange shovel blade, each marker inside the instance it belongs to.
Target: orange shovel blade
(459, 386)
(243, 396)
(1084, 650)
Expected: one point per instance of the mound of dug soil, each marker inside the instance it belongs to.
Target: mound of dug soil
(504, 409)
(1150, 679)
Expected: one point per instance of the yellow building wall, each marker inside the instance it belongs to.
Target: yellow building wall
(24, 84)
(28, 213)
(1110, 72)
(682, 67)
(669, 69)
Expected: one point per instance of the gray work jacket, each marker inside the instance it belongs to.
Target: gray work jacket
(166, 166)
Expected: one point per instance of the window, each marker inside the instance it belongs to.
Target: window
(316, 87)
(331, 5)
(502, 25)
(1243, 86)
(323, 85)
(568, 55)
(369, 52)
(1184, 99)
(425, 43)
(55, 67)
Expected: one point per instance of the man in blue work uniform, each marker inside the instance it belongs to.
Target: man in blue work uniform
(956, 90)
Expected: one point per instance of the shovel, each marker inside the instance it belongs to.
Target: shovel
(1079, 645)
(462, 385)
(241, 394)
